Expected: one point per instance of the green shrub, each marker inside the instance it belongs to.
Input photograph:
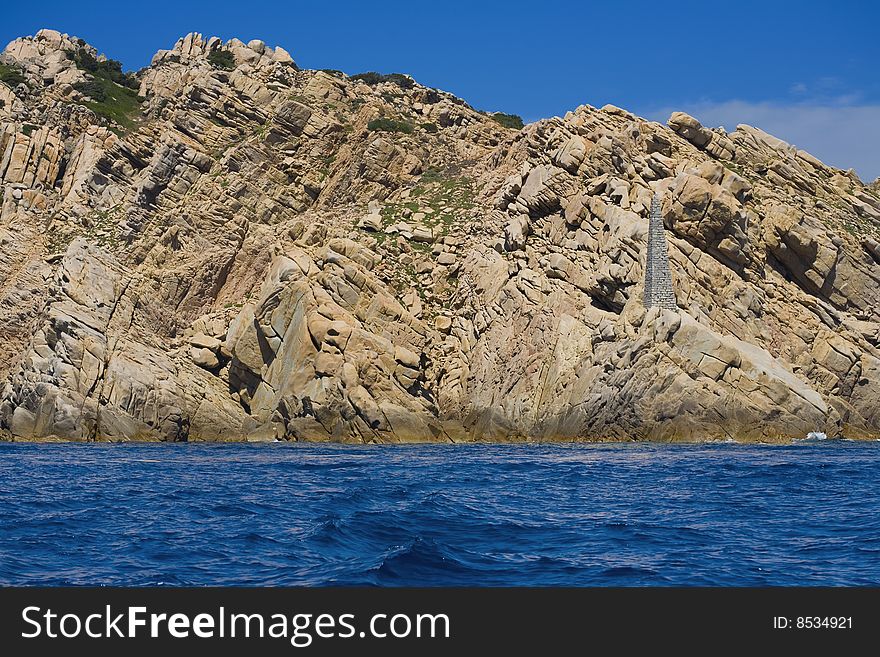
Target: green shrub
(389, 125)
(372, 78)
(28, 129)
(401, 80)
(11, 76)
(429, 127)
(112, 101)
(507, 120)
(93, 89)
(221, 59)
(112, 93)
(109, 69)
(85, 60)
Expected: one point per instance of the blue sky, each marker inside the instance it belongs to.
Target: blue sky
(805, 71)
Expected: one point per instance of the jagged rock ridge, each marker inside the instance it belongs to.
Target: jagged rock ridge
(224, 246)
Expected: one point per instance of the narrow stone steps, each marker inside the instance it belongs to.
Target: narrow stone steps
(658, 279)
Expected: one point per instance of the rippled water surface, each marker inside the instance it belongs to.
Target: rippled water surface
(616, 515)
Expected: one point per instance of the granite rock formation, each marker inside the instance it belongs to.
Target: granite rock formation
(223, 246)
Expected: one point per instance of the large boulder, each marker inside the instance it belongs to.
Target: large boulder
(716, 143)
(689, 128)
(709, 216)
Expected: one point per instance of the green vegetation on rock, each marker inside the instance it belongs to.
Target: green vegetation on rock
(11, 76)
(373, 78)
(507, 120)
(111, 101)
(389, 125)
(107, 69)
(442, 198)
(112, 94)
(221, 59)
(92, 88)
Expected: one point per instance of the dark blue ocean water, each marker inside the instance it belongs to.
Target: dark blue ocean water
(630, 515)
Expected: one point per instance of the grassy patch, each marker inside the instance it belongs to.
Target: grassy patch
(432, 176)
(442, 199)
(389, 125)
(446, 198)
(443, 221)
(112, 94)
(511, 121)
(58, 240)
(100, 227)
(112, 101)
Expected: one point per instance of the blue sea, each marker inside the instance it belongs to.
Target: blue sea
(440, 515)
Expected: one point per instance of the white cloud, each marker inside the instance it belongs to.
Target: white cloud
(839, 133)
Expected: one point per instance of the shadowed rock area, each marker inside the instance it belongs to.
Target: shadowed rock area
(222, 246)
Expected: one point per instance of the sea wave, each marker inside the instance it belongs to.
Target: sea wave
(485, 515)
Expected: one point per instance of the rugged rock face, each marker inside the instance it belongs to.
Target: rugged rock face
(226, 247)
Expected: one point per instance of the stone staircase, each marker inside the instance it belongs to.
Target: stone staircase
(658, 280)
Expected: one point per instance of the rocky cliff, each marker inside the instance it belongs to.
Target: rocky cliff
(224, 247)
